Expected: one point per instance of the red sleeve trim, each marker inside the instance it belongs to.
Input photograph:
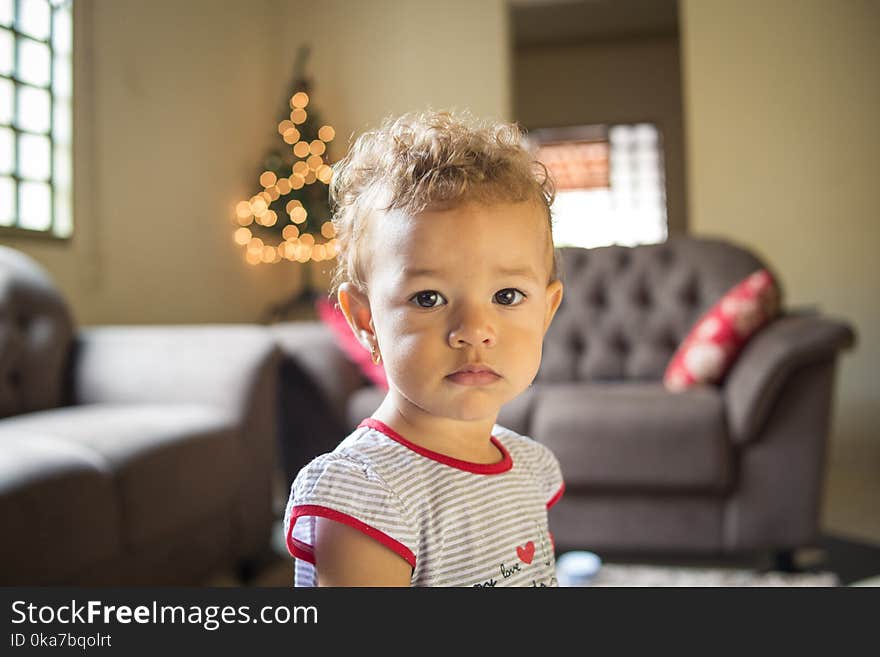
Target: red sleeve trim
(300, 550)
(555, 498)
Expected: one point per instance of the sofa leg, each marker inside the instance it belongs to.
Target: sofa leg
(784, 561)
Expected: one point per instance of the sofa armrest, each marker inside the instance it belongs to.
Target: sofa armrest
(309, 348)
(768, 359)
(219, 365)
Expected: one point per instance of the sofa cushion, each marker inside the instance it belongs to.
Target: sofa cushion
(710, 349)
(635, 435)
(59, 508)
(171, 463)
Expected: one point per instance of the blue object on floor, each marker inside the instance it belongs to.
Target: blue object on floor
(577, 568)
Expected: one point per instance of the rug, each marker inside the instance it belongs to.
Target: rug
(666, 576)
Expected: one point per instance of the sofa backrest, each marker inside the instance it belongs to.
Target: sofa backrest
(36, 331)
(625, 310)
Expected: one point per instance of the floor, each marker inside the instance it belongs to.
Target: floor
(852, 490)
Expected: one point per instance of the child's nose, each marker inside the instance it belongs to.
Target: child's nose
(472, 326)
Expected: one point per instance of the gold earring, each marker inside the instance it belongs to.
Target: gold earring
(375, 356)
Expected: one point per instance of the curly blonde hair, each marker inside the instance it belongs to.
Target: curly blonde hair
(427, 159)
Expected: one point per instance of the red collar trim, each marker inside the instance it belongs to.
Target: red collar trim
(505, 464)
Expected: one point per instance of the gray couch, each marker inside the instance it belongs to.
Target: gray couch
(129, 455)
(724, 469)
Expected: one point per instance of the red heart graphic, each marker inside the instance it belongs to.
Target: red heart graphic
(526, 552)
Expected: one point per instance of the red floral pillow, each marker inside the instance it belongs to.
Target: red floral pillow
(332, 316)
(715, 341)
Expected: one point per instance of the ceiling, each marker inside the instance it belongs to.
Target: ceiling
(545, 22)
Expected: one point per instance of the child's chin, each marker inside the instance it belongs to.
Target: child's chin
(471, 410)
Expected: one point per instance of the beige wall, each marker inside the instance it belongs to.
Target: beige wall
(619, 80)
(375, 57)
(175, 106)
(783, 149)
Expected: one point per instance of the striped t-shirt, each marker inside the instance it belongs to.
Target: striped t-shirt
(457, 523)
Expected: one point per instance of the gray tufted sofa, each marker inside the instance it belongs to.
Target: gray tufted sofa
(129, 455)
(724, 469)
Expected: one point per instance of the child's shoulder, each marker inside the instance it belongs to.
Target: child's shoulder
(362, 452)
(535, 458)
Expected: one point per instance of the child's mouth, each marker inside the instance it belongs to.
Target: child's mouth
(473, 378)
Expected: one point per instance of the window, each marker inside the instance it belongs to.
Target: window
(610, 183)
(36, 90)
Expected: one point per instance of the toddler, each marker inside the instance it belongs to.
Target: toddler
(447, 274)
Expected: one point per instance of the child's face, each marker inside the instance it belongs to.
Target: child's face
(429, 325)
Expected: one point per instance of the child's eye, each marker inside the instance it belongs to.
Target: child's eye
(507, 296)
(428, 296)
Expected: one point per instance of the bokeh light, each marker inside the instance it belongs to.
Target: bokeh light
(300, 99)
(326, 133)
(298, 116)
(242, 236)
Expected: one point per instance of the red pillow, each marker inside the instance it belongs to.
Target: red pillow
(714, 342)
(332, 316)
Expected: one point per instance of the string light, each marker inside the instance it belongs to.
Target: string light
(299, 100)
(243, 210)
(242, 236)
(296, 245)
(326, 133)
(305, 252)
(298, 215)
(324, 174)
(259, 207)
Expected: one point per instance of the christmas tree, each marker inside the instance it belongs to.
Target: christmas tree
(289, 218)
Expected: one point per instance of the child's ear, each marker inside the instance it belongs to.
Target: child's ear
(355, 305)
(554, 298)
